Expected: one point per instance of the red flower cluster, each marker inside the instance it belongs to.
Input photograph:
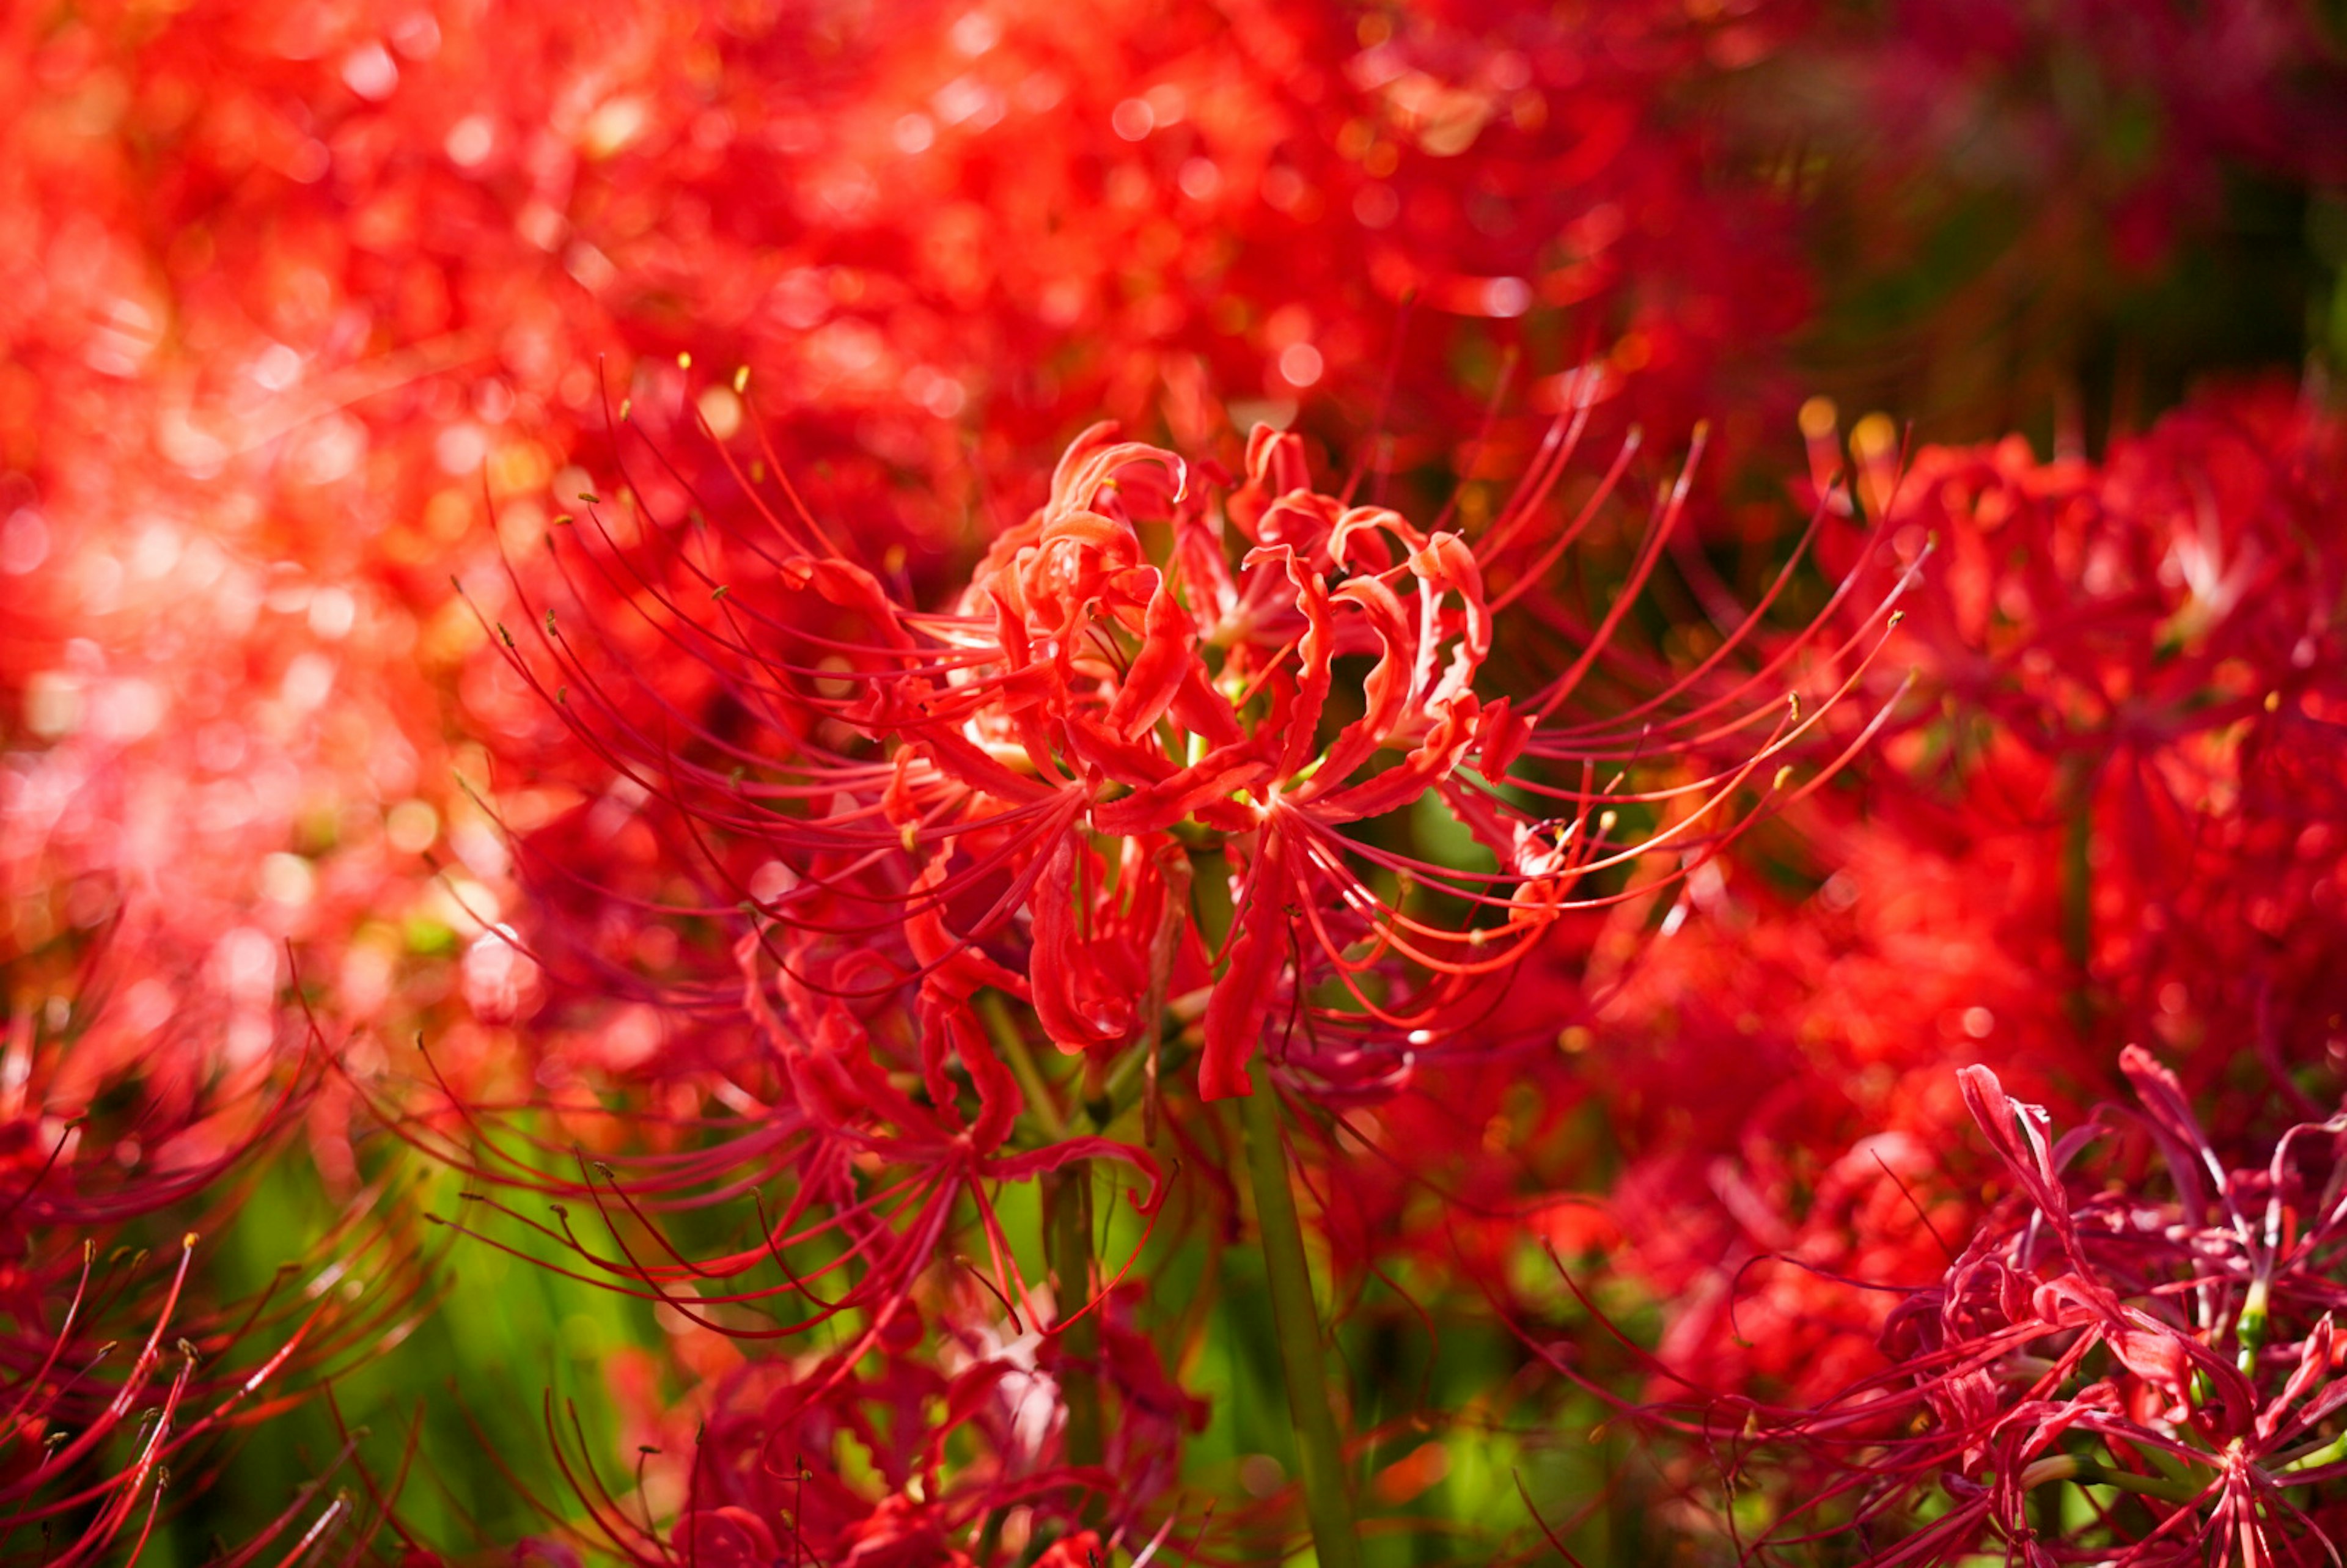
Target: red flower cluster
(286, 290)
(1117, 782)
(2168, 1360)
(118, 1367)
(782, 834)
(1028, 792)
(844, 1458)
(2111, 817)
(2154, 678)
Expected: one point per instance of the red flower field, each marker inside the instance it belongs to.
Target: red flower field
(875, 784)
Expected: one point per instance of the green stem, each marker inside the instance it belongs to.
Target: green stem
(1069, 1201)
(2329, 1453)
(2142, 1485)
(2178, 1492)
(1210, 895)
(1297, 1318)
(2087, 1472)
(2250, 1330)
(1011, 1041)
(1129, 1084)
(1121, 1088)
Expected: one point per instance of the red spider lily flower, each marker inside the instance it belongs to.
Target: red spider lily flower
(118, 1371)
(1139, 688)
(2171, 1354)
(1777, 1070)
(878, 1174)
(2115, 822)
(2142, 658)
(240, 306)
(1142, 771)
(902, 1456)
(876, 1153)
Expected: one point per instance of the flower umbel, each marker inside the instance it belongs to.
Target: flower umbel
(1154, 758)
(2171, 1359)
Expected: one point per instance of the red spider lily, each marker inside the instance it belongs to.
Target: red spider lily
(244, 297)
(250, 247)
(2172, 1355)
(1776, 1072)
(2114, 821)
(1018, 790)
(909, 1457)
(876, 1177)
(90, 1437)
(843, 1121)
(2156, 672)
(1126, 737)
(1182, 768)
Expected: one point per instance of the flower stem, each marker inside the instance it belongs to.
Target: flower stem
(2087, 1472)
(2329, 1453)
(1009, 1039)
(1296, 1319)
(1069, 1198)
(1295, 1316)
